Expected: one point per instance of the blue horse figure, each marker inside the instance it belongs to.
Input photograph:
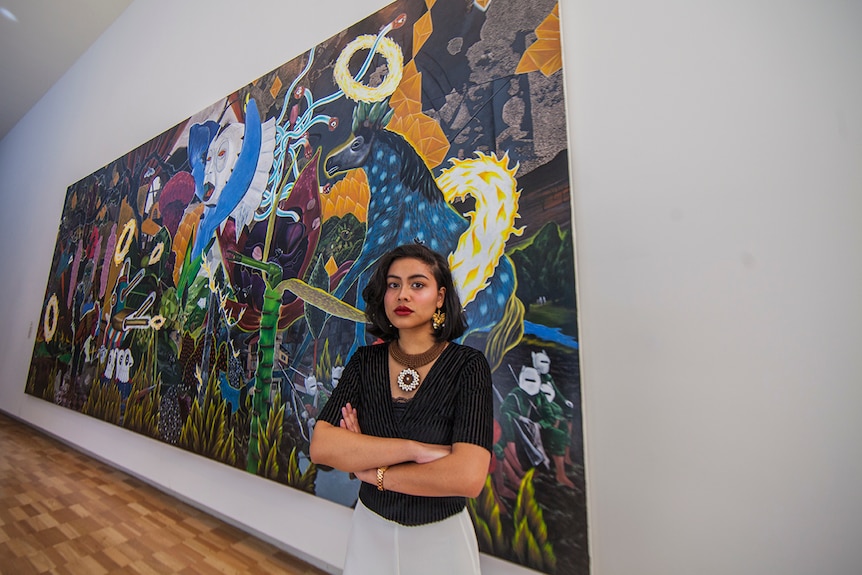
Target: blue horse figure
(406, 206)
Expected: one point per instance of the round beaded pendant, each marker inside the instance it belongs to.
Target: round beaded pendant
(408, 379)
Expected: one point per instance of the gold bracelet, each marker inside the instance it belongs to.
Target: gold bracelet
(380, 472)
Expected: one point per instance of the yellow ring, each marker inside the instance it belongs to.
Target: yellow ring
(157, 321)
(157, 253)
(52, 314)
(359, 92)
(125, 241)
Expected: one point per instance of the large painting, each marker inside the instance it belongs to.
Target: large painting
(203, 290)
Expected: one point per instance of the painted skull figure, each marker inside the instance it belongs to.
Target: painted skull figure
(125, 361)
(111, 363)
(222, 156)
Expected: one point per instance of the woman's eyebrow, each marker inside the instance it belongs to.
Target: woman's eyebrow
(413, 277)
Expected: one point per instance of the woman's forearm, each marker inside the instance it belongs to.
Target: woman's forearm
(353, 452)
(462, 473)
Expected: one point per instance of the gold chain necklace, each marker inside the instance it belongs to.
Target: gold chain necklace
(408, 379)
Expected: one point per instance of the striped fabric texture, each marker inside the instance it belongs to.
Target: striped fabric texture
(454, 404)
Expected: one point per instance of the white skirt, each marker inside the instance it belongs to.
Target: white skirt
(378, 546)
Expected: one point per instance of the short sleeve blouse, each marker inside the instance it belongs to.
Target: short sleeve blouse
(454, 404)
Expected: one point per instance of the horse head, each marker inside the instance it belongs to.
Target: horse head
(368, 120)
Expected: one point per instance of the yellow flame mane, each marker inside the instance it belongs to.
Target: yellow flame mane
(492, 184)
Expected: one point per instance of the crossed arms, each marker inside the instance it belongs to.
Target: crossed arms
(415, 468)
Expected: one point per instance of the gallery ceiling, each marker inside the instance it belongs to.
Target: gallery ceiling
(39, 41)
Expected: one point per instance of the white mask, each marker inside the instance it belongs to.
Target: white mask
(541, 362)
(336, 374)
(311, 384)
(529, 380)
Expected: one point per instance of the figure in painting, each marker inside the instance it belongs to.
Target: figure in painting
(533, 428)
(542, 363)
(235, 168)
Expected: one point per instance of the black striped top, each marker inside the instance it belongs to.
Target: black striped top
(454, 404)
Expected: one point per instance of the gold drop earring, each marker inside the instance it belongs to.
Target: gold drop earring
(438, 320)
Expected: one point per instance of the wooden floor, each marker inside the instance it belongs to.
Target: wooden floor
(63, 512)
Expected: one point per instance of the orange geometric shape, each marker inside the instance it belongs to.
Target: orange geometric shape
(552, 64)
(550, 26)
(275, 88)
(188, 226)
(331, 266)
(348, 196)
(482, 4)
(327, 207)
(149, 227)
(545, 54)
(420, 130)
(408, 90)
(425, 135)
(422, 30)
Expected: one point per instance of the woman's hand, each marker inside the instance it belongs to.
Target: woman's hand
(425, 452)
(349, 419)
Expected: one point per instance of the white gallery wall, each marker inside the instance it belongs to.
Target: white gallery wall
(716, 156)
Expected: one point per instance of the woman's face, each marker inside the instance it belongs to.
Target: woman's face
(412, 294)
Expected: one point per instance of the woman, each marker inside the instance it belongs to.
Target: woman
(412, 418)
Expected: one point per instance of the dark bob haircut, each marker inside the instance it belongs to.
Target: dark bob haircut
(456, 321)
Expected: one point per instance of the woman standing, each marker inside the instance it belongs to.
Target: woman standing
(412, 418)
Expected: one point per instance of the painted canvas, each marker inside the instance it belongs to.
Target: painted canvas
(204, 287)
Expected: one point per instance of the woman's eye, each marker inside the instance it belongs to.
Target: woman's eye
(418, 285)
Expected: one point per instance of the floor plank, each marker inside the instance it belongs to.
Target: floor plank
(62, 512)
